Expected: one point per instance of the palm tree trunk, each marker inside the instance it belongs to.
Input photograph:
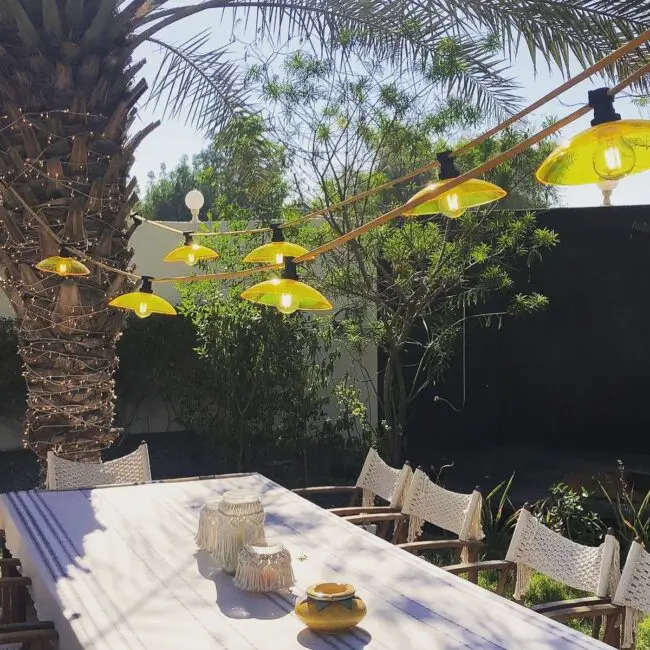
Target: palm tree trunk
(67, 97)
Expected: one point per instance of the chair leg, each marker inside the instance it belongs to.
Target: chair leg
(503, 579)
(401, 532)
(595, 627)
(612, 635)
(472, 556)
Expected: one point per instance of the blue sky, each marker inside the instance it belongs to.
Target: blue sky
(173, 138)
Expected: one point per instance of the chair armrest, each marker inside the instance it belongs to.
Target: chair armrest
(361, 510)
(325, 489)
(26, 636)
(26, 627)
(9, 562)
(9, 567)
(583, 611)
(544, 608)
(439, 544)
(16, 581)
(359, 520)
(486, 565)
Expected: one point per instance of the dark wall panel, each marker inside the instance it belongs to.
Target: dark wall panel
(575, 376)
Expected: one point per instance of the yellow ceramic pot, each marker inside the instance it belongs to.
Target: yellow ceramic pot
(331, 608)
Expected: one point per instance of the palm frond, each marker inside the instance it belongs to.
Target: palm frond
(199, 82)
(470, 69)
(409, 33)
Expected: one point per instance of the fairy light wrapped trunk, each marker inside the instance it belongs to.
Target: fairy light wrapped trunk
(68, 89)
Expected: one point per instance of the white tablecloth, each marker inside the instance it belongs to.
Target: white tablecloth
(117, 568)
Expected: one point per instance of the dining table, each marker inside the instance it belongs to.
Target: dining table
(118, 567)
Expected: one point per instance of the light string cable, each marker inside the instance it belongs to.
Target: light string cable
(415, 201)
(384, 218)
(524, 112)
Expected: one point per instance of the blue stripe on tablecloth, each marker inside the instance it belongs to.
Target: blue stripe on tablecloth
(46, 513)
(39, 540)
(285, 603)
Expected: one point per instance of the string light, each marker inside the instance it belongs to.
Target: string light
(190, 252)
(275, 251)
(287, 293)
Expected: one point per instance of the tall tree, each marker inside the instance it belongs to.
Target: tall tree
(406, 288)
(69, 86)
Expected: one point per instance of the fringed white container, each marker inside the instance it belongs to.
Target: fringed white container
(206, 537)
(264, 567)
(239, 521)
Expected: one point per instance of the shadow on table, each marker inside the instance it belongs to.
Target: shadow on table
(356, 638)
(235, 603)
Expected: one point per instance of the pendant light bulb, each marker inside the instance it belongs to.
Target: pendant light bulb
(279, 258)
(286, 304)
(143, 310)
(613, 157)
(63, 267)
(451, 206)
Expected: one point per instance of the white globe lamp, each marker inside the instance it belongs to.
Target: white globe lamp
(194, 201)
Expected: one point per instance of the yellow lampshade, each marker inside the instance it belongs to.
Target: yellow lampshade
(274, 253)
(605, 152)
(456, 201)
(287, 296)
(143, 302)
(191, 252)
(66, 267)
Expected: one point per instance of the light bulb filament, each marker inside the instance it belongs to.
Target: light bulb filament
(286, 299)
(143, 309)
(613, 159)
(453, 202)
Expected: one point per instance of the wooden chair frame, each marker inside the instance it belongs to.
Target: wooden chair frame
(354, 508)
(33, 636)
(588, 608)
(14, 601)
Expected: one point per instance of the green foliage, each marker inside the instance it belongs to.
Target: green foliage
(543, 589)
(407, 287)
(643, 635)
(631, 510)
(564, 511)
(265, 382)
(498, 521)
(241, 175)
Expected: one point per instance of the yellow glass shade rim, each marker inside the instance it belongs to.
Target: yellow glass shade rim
(49, 264)
(200, 253)
(157, 305)
(268, 293)
(266, 254)
(571, 163)
(470, 194)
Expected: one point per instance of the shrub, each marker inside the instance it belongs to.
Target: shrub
(564, 511)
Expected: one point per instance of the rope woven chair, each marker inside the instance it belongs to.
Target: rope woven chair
(16, 631)
(65, 474)
(451, 511)
(595, 570)
(633, 592)
(377, 480)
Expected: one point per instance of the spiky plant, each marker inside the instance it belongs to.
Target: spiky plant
(69, 88)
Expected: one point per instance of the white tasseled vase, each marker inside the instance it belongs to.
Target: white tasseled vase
(264, 567)
(237, 520)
